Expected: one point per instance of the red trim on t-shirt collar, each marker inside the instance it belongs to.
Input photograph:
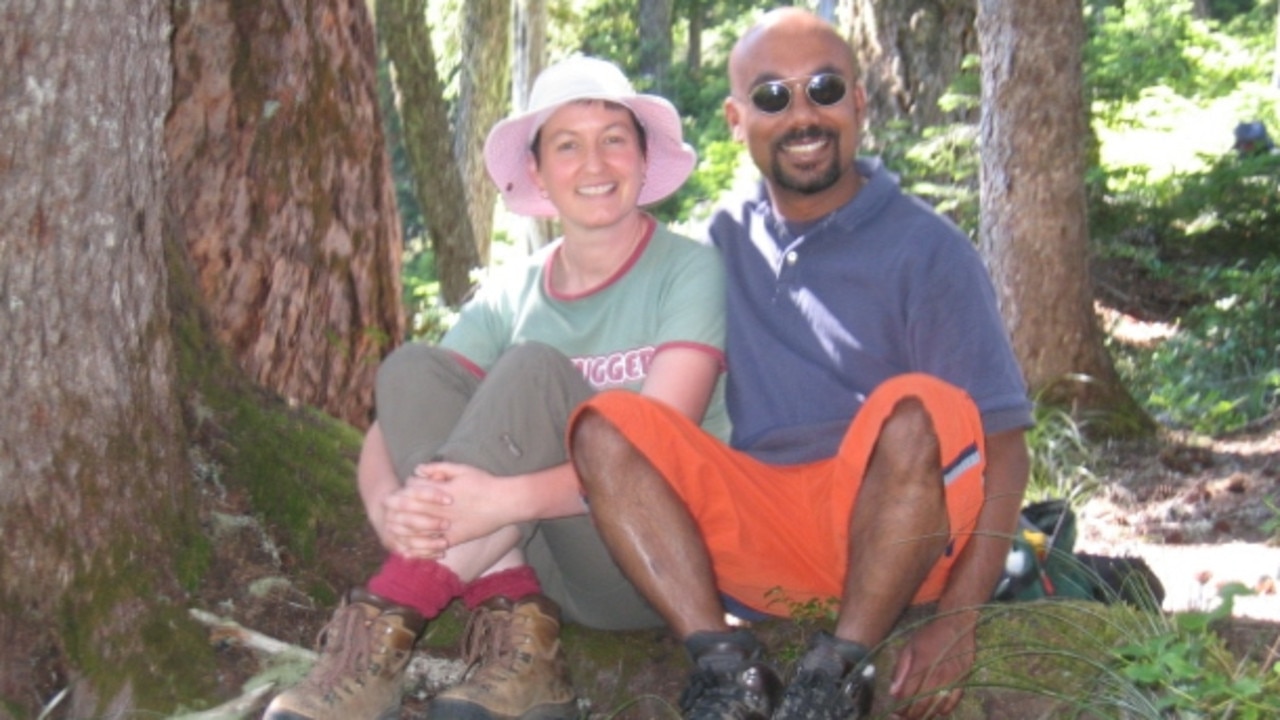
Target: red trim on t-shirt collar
(622, 270)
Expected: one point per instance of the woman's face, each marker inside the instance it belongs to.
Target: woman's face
(590, 163)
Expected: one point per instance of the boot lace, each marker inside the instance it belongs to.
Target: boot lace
(345, 644)
(487, 640)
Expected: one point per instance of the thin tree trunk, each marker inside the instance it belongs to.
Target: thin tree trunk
(95, 500)
(428, 140)
(282, 183)
(485, 72)
(655, 43)
(1033, 219)
(693, 53)
(529, 56)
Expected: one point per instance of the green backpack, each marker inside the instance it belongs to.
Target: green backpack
(1042, 564)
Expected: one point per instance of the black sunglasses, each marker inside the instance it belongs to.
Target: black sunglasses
(774, 96)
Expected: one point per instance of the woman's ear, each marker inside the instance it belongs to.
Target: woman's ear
(534, 175)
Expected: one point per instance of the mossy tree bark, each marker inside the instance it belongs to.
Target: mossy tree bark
(483, 100)
(1034, 231)
(424, 115)
(97, 520)
(909, 52)
(282, 184)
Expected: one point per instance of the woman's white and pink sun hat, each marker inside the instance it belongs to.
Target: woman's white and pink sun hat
(507, 150)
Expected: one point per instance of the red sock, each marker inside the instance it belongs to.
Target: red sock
(513, 583)
(424, 585)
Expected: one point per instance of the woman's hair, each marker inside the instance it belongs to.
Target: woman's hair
(644, 146)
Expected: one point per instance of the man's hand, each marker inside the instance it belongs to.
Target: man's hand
(932, 666)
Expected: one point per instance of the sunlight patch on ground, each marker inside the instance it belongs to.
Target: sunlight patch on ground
(1132, 331)
(1172, 135)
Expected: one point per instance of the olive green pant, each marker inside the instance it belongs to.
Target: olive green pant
(510, 422)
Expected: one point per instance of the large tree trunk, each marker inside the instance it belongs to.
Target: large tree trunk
(1033, 219)
(655, 43)
(95, 501)
(909, 52)
(281, 177)
(428, 141)
(482, 101)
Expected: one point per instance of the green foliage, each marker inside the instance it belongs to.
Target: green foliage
(809, 615)
(941, 166)
(1222, 368)
(1187, 671)
(1061, 457)
(429, 317)
(1141, 44)
(1272, 524)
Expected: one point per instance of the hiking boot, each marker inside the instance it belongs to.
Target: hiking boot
(729, 681)
(363, 653)
(833, 681)
(519, 668)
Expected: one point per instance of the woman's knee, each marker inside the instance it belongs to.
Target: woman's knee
(407, 364)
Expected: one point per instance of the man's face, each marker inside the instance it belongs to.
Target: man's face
(807, 148)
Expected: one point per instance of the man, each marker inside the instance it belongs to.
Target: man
(877, 453)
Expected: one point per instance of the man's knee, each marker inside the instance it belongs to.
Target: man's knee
(908, 435)
(910, 421)
(595, 446)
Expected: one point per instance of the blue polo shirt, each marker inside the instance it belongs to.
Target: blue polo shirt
(820, 314)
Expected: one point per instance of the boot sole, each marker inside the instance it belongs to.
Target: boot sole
(452, 710)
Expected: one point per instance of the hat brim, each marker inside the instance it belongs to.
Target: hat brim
(668, 159)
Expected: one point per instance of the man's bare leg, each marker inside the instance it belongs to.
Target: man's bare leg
(647, 528)
(898, 529)
(656, 543)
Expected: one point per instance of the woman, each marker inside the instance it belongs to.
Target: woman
(464, 475)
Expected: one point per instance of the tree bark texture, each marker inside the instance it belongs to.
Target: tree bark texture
(282, 185)
(1033, 224)
(94, 482)
(909, 51)
(483, 101)
(528, 58)
(693, 49)
(655, 43)
(428, 139)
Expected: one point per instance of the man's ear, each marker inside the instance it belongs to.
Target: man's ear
(733, 117)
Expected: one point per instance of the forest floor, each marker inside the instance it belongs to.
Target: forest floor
(1201, 511)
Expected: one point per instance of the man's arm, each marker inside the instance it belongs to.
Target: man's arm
(941, 653)
(975, 574)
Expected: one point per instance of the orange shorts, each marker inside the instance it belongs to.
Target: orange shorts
(784, 528)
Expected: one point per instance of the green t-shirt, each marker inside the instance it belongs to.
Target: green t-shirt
(670, 293)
